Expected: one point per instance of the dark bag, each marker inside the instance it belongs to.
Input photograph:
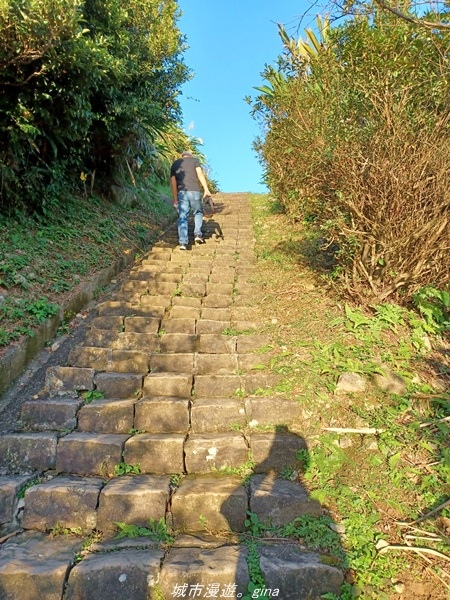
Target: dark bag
(208, 206)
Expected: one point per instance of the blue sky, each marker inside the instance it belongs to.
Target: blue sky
(229, 44)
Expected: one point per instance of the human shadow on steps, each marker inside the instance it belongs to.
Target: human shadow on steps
(272, 521)
(282, 522)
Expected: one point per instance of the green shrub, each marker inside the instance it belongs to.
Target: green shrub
(357, 145)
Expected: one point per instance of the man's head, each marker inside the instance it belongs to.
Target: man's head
(186, 153)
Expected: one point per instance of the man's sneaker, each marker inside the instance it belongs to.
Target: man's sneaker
(183, 247)
(199, 239)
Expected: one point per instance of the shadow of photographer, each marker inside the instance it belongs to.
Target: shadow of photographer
(283, 521)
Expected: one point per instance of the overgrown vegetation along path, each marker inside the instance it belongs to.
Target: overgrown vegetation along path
(230, 431)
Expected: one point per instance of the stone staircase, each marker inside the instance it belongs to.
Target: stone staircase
(164, 381)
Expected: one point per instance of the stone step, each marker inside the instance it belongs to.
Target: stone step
(34, 565)
(27, 452)
(108, 359)
(215, 452)
(57, 413)
(217, 414)
(84, 453)
(133, 499)
(107, 416)
(63, 502)
(156, 453)
(10, 488)
(162, 415)
(211, 504)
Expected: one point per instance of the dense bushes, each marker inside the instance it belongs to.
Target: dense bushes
(358, 143)
(84, 86)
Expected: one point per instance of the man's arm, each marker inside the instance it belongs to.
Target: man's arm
(202, 179)
(173, 185)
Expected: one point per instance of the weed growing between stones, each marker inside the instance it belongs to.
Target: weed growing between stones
(157, 531)
(124, 469)
(61, 530)
(91, 395)
(35, 481)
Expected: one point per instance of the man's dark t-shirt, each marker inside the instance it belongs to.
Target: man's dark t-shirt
(185, 174)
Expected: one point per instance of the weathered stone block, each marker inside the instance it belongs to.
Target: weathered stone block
(118, 385)
(107, 416)
(217, 344)
(126, 574)
(198, 277)
(157, 303)
(141, 325)
(143, 342)
(148, 268)
(196, 290)
(94, 358)
(69, 502)
(297, 573)
(223, 289)
(135, 285)
(216, 414)
(178, 342)
(162, 415)
(155, 453)
(275, 451)
(186, 301)
(133, 499)
(216, 364)
(208, 326)
(178, 326)
(351, 382)
(10, 486)
(166, 288)
(174, 277)
(272, 411)
(212, 452)
(147, 309)
(60, 379)
(127, 361)
(223, 569)
(100, 338)
(216, 314)
(50, 413)
(21, 452)
(222, 275)
(390, 382)
(114, 308)
(184, 312)
(114, 323)
(217, 301)
(216, 386)
(279, 501)
(34, 566)
(172, 363)
(209, 504)
(89, 453)
(168, 384)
